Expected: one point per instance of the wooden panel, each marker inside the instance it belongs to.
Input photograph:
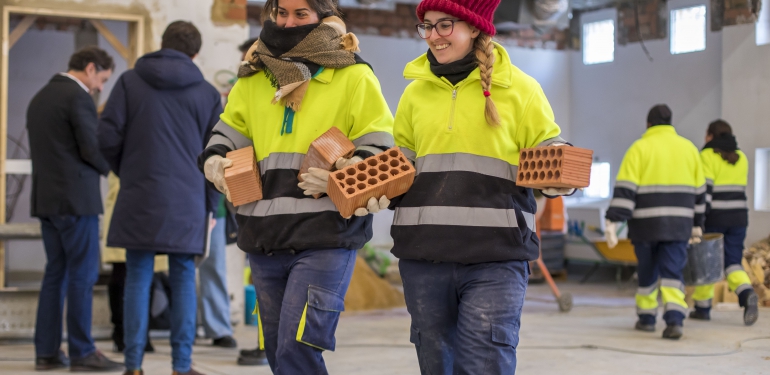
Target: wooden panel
(111, 38)
(20, 29)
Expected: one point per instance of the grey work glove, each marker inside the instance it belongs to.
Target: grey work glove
(558, 191)
(373, 206)
(214, 170)
(345, 162)
(696, 235)
(611, 233)
(314, 181)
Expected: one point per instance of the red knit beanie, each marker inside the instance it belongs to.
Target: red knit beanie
(478, 13)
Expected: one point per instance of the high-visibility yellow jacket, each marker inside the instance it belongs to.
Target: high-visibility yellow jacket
(285, 219)
(726, 204)
(464, 205)
(660, 189)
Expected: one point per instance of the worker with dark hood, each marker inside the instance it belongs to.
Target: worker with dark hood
(661, 192)
(727, 212)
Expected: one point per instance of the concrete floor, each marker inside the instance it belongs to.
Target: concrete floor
(376, 343)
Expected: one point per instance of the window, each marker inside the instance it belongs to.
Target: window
(688, 29)
(762, 180)
(763, 26)
(600, 181)
(598, 42)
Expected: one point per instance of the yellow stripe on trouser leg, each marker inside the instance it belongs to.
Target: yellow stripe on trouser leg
(703, 295)
(301, 329)
(737, 279)
(673, 298)
(259, 326)
(647, 300)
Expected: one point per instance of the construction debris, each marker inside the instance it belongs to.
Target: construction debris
(756, 262)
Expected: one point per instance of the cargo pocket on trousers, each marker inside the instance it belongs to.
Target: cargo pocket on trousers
(505, 334)
(320, 317)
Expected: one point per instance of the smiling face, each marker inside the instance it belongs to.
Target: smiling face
(292, 13)
(456, 45)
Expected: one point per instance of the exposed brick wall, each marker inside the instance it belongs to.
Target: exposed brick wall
(652, 21)
(733, 12)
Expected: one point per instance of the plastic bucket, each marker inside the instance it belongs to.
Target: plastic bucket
(251, 302)
(705, 261)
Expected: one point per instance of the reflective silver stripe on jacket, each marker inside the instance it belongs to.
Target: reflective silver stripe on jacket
(729, 189)
(229, 137)
(411, 155)
(281, 160)
(469, 163)
(645, 213)
(286, 206)
(384, 139)
(626, 185)
(461, 216)
(729, 205)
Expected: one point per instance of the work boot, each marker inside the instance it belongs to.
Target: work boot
(700, 314)
(225, 342)
(672, 332)
(191, 372)
(254, 357)
(644, 327)
(52, 363)
(749, 300)
(96, 361)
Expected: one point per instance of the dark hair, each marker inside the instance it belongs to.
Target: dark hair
(721, 129)
(324, 8)
(182, 36)
(80, 59)
(659, 115)
(246, 45)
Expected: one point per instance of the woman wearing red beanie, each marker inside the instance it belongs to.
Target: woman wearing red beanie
(465, 231)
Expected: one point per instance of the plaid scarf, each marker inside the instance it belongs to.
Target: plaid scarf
(291, 56)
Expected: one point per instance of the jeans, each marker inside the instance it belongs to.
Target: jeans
(139, 267)
(465, 317)
(300, 297)
(664, 260)
(72, 252)
(215, 302)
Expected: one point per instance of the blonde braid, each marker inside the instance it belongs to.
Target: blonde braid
(486, 58)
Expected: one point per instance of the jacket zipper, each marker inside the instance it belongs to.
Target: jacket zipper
(452, 113)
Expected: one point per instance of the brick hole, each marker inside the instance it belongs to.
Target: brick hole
(383, 167)
(394, 163)
(350, 171)
(557, 175)
(394, 172)
(350, 191)
(383, 177)
(523, 156)
(404, 168)
(547, 164)
(559, 153)
(361, 177)
(393, 153)
(521, 176)
(383, 157)
(372, 181)
(542, 175)
(550, 175)
(527, 176)
(342, 185)
(372, 172)
(340, 176)
(529, 154)
(371, 162)
(539, 164)
(525, 166)
(361, 167)
(537, 154)
(402, 160)
(350, 181)
(361, 186)
(551, 152)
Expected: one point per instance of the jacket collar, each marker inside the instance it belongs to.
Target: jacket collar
(659, 129)
(419, 69)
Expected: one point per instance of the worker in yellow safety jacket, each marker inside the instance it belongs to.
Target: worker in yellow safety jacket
(464, 231)
(726, 169)
(300, 79)
(660, 190)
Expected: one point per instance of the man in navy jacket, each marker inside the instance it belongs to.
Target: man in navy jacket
(66, 165)
(157, 120)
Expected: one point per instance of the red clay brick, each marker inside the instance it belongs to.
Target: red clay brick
(242, 178)
(554, 167)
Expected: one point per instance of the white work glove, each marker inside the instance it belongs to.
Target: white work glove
(611, 233)
(373, 206)
(314, 181)
(696, 235)
(558, 191)
(214, 170)
(345, 162)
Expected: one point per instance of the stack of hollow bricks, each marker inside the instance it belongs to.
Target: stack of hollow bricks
(389, 174)
(242, 177)
(554, 167)
(325, 150)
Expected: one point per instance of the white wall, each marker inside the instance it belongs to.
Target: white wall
(745, 105)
